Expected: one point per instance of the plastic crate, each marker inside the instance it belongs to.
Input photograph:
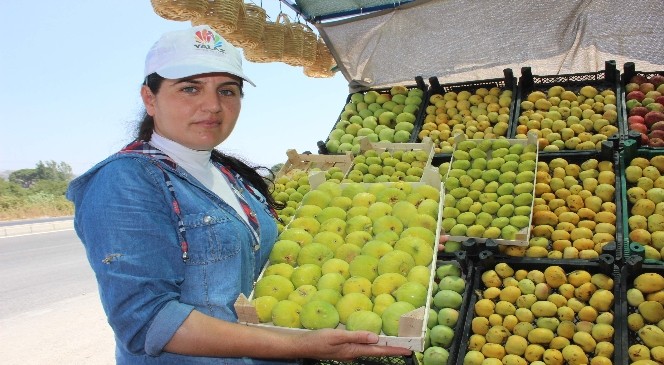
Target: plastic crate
(473, 247)
(630, 152)
(508, 82)
(419, 84)
(633, 268)
(467, 273)
(629, 71)
(605, 264)
(606, 79)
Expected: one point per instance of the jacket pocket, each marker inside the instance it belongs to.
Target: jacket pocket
(211, 237)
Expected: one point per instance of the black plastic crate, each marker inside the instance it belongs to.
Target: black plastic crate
(632, 268)
(473, 248)
(419, 84)
(629, 152)
(605, 79)
(605, 264)
(507, 82)
(467, 273)
(629, 71)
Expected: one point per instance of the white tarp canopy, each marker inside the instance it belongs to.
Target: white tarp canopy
(465, 40)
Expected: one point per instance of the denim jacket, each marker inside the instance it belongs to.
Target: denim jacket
(125, 218)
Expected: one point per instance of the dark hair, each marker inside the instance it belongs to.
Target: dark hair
(261, 182)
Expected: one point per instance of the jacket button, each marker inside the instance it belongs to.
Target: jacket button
(207, 219)
(257, 247)
(252, 214)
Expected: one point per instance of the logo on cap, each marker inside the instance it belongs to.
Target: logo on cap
(209, 40)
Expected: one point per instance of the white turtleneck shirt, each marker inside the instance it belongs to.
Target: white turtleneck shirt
(198, 164)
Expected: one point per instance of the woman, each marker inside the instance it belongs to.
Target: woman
(175, 230)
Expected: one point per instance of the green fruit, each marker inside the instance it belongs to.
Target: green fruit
(364, 320)
(447, 299)
(319, 314)
(506, 210)
(520, 221)
(475, 230)
(500, 143)
(507, 177)
(505, 199)
(441, 335)
(484, 219)
(525, 176)
(508, 232)
(466, 218)
(460, 155)
(391, 316)
(500, 222)
(525, 187)
(495, 163)
(505, 189)
(459, 193)
(492, 232)
(476, 153)
(458, 230)
(509, 166)
(452, 282)
(444, 270)
(448, 317)
(501, 152)
(523, 199)
(491, 175)
(491, 207)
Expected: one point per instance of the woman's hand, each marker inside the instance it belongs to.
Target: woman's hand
(342, 345)
(441, 242)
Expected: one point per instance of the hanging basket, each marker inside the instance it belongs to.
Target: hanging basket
(251, 25)
(273, 40)
(223, 16)
(293, 39)
(309, 45)
(324, 63)
(179, 10)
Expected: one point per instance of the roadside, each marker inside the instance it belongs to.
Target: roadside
(72, 331)
(39, 227)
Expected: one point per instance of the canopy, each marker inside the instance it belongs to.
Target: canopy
(465, 40)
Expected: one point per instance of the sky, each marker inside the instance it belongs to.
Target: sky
(71, 72)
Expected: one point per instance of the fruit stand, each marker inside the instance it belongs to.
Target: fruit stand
(549, 183)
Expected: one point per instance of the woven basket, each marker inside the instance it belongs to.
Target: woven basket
(273, 40)
(251, 25)
(223, 15)
(309, 46)
(293, 39)
(179, 10)
(324, 63)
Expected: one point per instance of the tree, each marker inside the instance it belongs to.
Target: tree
(51, 170)
(24, 177)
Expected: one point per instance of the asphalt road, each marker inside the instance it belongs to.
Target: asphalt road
(50, 311)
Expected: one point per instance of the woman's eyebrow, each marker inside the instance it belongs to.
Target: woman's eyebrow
(195, 81)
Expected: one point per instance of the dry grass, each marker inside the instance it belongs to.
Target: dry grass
(37, 210)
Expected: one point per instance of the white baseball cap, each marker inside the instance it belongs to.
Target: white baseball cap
(194, 51)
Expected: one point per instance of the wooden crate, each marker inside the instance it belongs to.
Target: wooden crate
(412, 325)
(523, 235)
(307, 162)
